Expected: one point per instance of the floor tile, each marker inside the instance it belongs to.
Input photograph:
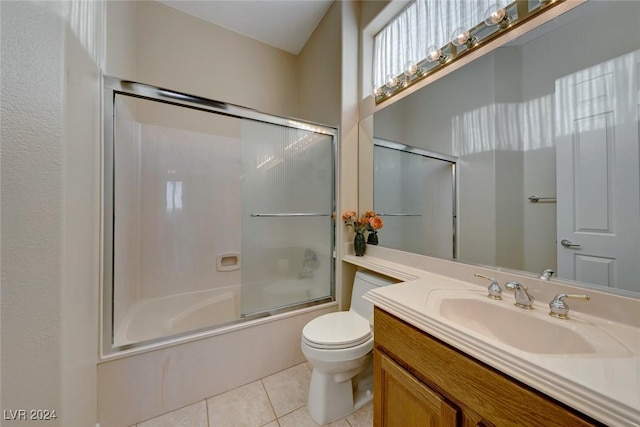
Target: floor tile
(363, 417)
(191, 416)
(288, 389)
(272, 424)
(301, 418)
(246, 406)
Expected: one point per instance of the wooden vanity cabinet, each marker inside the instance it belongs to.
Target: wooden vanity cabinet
(421, 381)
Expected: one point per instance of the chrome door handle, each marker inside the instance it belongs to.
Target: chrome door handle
(568, 244)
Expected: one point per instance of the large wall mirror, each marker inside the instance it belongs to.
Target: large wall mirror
(545, 133)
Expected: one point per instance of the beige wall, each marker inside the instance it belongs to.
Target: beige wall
(50, 207)
(178, 51)
(319, 70)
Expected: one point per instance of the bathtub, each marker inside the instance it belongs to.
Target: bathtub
(175, 314)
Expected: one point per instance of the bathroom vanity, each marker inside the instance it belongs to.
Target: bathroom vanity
(419, 380)
(445, 354)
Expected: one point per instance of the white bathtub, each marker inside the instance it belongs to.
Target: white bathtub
(160, 317)
(165, 316)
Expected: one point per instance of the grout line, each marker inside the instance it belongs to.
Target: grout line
(269, 399)
(206, 404)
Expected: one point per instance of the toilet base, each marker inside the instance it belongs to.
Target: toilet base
(334, 396)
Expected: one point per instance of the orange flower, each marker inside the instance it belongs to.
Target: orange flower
(369, 221)
(376, 222)
(348, 215)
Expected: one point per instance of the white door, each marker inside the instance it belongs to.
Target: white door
(598, 183)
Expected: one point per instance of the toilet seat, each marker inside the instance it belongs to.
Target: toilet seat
(339, 330)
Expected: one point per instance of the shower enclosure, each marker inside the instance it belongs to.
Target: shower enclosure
(214, 215)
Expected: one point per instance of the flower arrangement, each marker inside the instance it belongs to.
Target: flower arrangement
(369, 221)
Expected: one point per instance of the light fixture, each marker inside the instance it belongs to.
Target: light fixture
(498, 19)
(462, 36)
(434, 54)
(497, 15)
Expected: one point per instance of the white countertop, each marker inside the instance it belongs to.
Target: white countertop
(606, 389)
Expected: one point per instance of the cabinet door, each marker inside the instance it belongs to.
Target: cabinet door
(400, 400)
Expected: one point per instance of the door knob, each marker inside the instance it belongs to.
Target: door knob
(568, 244)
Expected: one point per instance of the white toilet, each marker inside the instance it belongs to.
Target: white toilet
(339, 347)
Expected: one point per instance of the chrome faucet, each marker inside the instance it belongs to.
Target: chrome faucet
(309, 263)
(559, 308)
(523, 299)
(546, 274)
(310, 259)
(495, 292)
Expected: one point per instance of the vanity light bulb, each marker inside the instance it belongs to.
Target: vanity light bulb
(460, 36)
(410, 68)
(433, 54)
(391, 80)
(377, 91)
(496, 15)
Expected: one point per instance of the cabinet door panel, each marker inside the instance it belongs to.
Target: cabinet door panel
(400, 400)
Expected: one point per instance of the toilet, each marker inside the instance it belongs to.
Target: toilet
(339, 347)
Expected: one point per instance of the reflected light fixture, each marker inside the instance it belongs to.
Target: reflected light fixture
(497, 15)
(391, 81)
(434, 54)
(462, 37)
(410, 68)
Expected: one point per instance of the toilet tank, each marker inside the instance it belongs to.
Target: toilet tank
(364, 282)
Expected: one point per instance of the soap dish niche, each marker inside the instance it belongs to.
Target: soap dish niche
(228, 262)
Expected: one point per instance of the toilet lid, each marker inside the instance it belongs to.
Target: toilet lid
(342, 329)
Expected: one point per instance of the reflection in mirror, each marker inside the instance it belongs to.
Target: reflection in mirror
(552, 114)
(406, 181)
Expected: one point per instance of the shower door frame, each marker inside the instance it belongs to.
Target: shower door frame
(114, 86)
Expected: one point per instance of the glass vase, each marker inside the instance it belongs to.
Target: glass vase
(359, 244)
(372, 238)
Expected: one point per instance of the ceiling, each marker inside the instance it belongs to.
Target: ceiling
(285, 24)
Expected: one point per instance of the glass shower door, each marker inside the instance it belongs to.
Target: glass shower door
(287, 225)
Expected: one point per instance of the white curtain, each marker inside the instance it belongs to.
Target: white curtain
(421, 24)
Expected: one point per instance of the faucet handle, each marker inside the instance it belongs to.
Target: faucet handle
(559, 308)
(523, 299)
(495, 292)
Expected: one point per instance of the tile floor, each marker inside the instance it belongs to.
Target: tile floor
(278, 400)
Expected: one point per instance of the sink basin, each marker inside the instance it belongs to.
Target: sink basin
(531, 331)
